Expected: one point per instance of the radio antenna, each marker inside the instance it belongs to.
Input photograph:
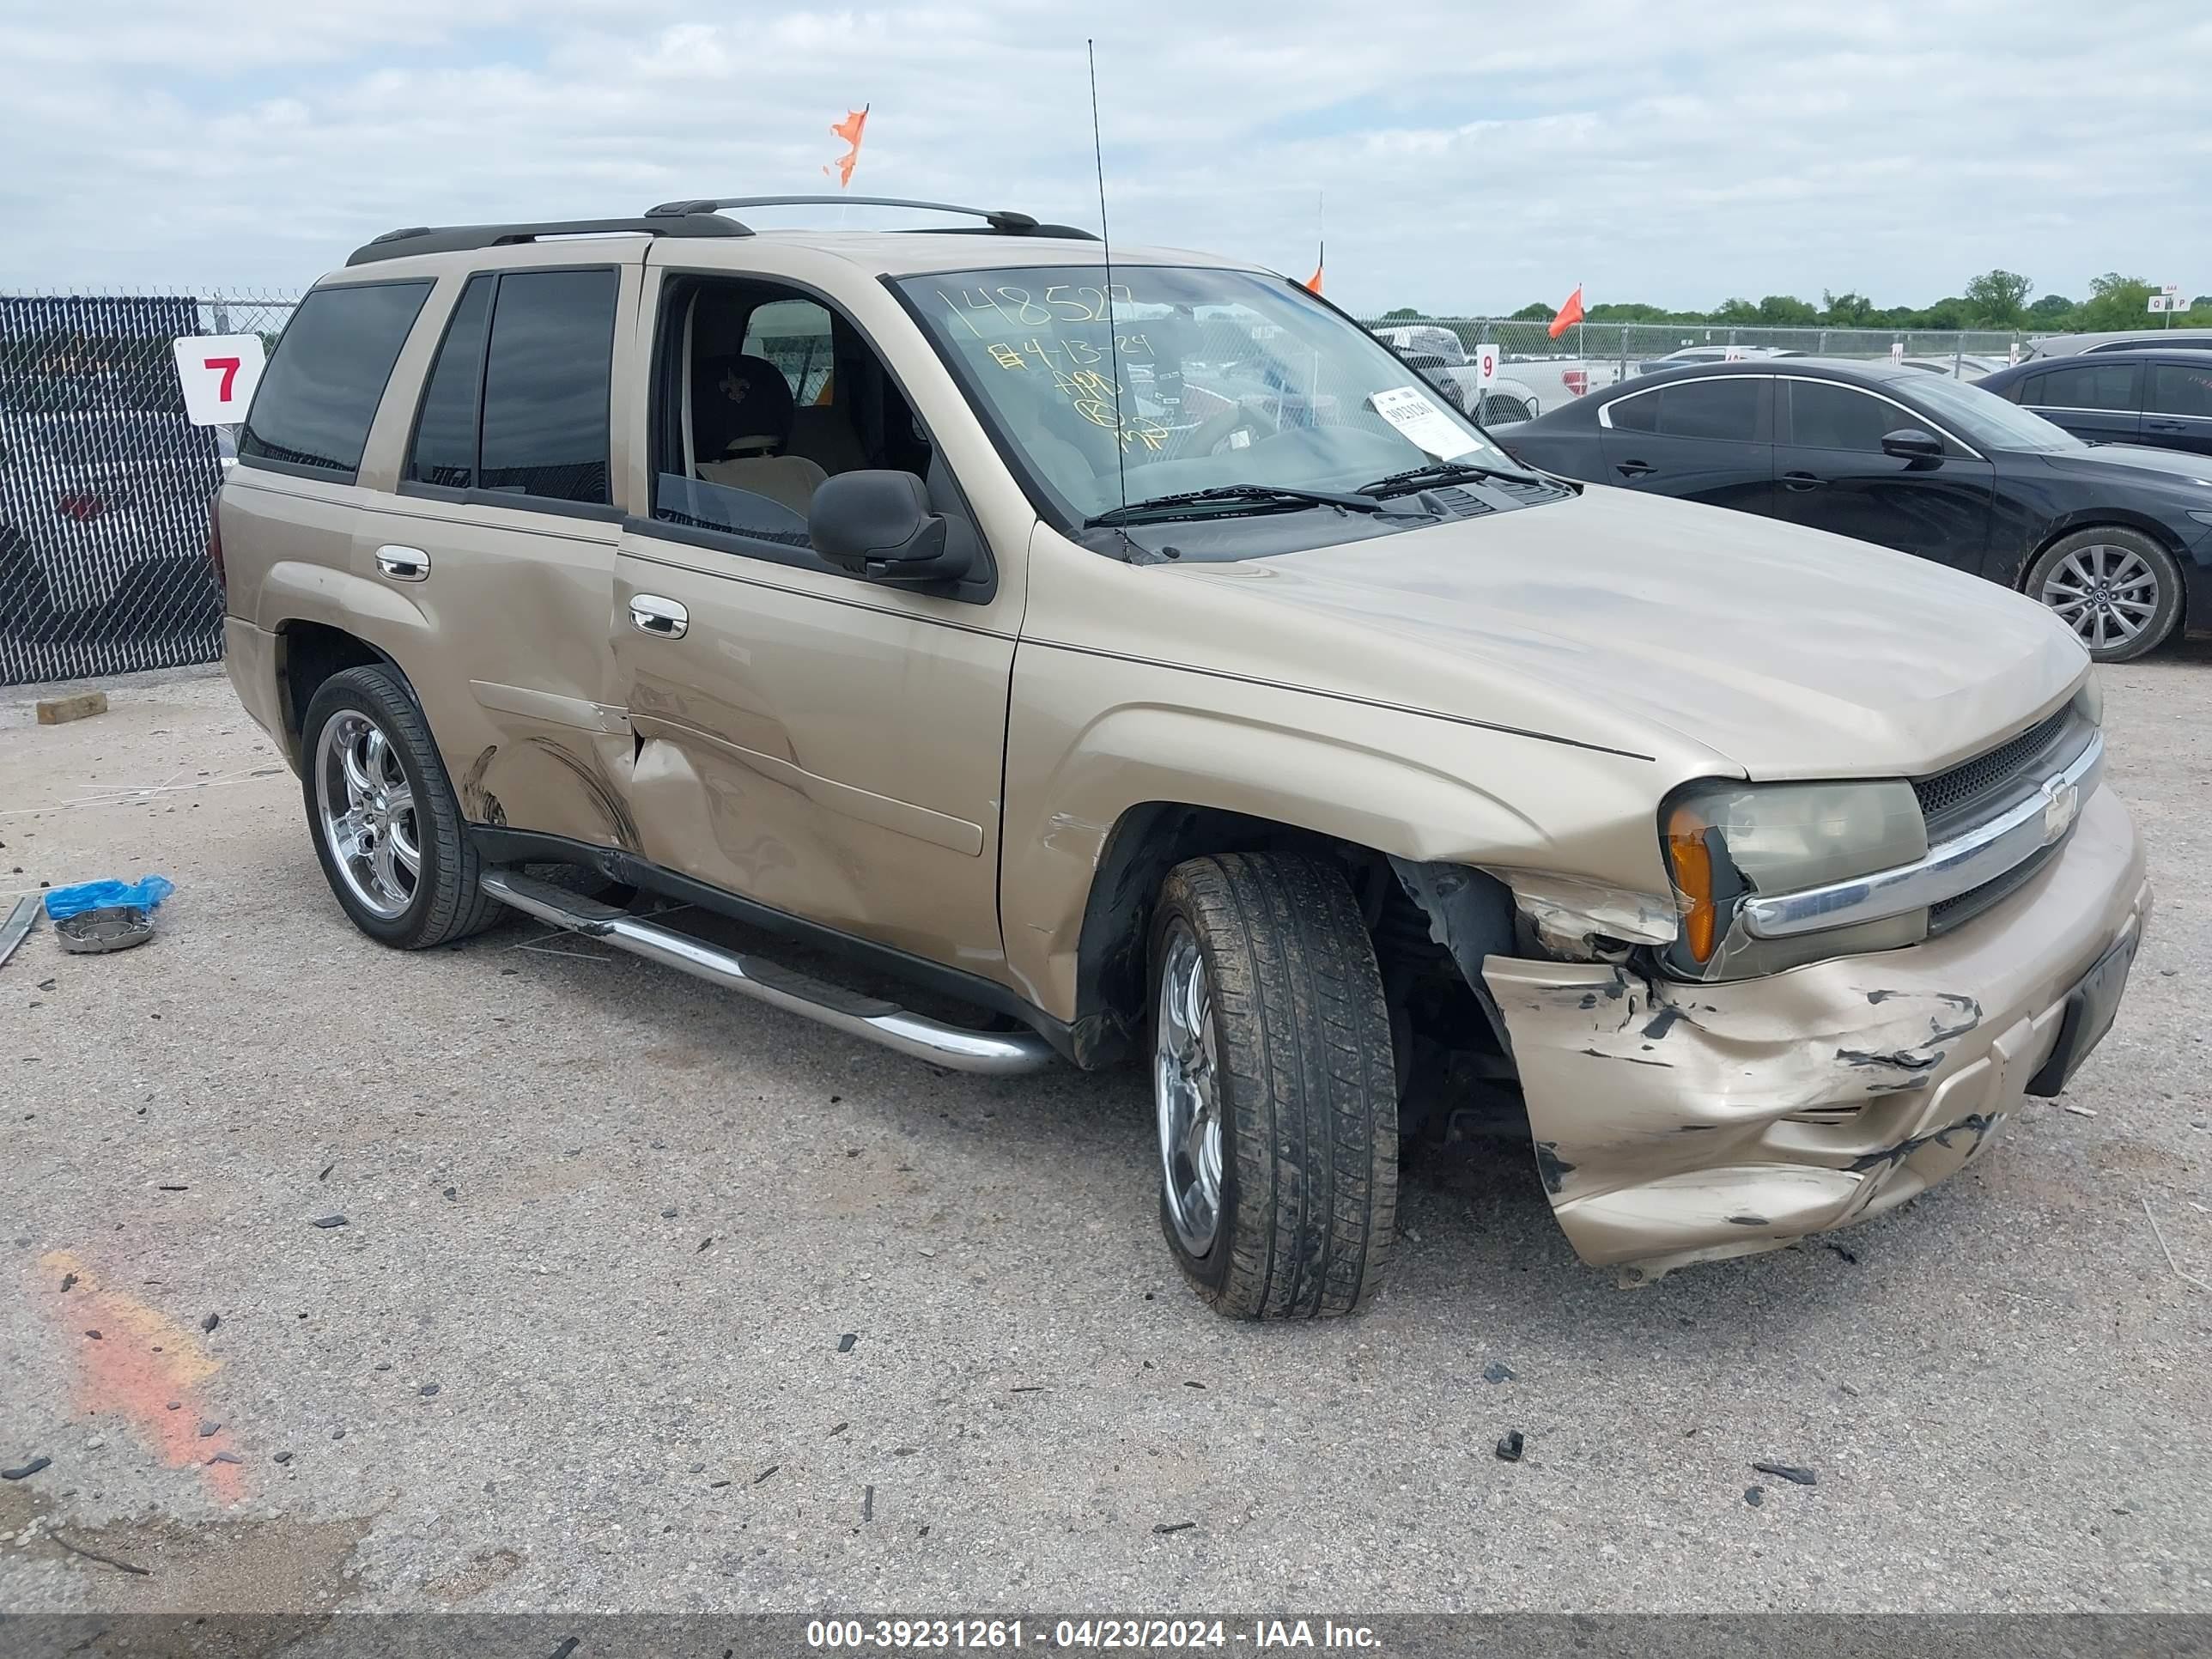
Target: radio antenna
(1106, 245)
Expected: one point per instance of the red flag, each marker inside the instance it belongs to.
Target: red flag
(1569, 314)
(850, 128)
(1312, 282)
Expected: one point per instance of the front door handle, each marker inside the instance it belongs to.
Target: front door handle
(402, 564)
(1635, 469)
(2156, 425)
(1801, 481)
(664, 618)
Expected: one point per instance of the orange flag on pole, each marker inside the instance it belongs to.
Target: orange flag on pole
(1569, 314)
(850, 128)
(1320, 264)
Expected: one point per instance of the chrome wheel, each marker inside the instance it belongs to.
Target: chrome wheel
(1187, 1092)
(2106, 594)
(369, 815)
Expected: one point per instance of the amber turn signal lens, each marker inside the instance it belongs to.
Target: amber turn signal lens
(1693, 879)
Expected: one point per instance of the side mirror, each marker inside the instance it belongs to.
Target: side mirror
(878, 525)
(1911, 443)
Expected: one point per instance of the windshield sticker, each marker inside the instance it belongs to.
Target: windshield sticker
(1409, 409)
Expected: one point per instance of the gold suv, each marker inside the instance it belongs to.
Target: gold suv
(1134, 650)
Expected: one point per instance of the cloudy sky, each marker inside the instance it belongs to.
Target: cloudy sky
(1471, 156)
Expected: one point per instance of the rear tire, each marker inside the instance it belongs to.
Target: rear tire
(1273, 1072)
(2104, 582)
(390, 838)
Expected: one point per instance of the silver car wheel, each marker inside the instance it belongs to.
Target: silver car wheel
(368, 817)
(2106, 594)
(1187, 1092)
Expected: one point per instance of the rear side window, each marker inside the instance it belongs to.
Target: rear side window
(545, 386)
(312, 412)
(1636, 414)
(445, 449)
(2088, 385)
(1725, 411)
(1824, 416)
(2175, 390)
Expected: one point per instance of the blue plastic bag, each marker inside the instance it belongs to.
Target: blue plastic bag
(144, 895)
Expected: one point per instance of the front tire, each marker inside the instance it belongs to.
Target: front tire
(388, 832)
(1274, 1087)
(2118, 590)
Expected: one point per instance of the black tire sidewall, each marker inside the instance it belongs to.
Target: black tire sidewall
(1211, 1271)
(2163, 619)
(375, 693)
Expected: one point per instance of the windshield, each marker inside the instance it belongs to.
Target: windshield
(1987, 421)
(1185, 379)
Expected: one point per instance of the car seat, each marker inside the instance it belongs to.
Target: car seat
(741, 421)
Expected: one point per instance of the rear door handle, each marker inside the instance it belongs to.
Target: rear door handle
(2158, 423)
(402, 564)
(1801, 481)
(1635, 469)
(650, 614)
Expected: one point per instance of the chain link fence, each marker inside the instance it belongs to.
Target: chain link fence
(104, 485)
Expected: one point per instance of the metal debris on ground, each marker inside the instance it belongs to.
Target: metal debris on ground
(1754, 1496)
(211, 1322)
(108, 927)
(2166, 1251)
(1508, 1446)
(1788, 1472)
(18, 925)
(281, 1457)
(328, 1221)
(207, 1429)
(868, 1504)
(2080, 1111)
(68, 1280)
(1174, 1526)
(428, 1390)
(226, 1457)
(765, 1472)
(104, 1560)
(1496, 1371)
(845, 1342)
(27, 1470)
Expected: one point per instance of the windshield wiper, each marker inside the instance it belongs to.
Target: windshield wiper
(1262, 496)
(1442, 472)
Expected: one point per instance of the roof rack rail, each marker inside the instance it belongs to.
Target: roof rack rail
(454, 239)
(1003, 220)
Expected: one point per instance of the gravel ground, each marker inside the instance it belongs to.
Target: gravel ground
(649, 1297)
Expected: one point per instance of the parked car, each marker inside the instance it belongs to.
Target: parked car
(1437, 354)
(1960, 366)
(2157, 397)
(2115, 540)
(2131, 339)
(1335, 767)
(1713, 354)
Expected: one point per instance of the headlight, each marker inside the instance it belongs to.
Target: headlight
(1726, 841)
(2089, 701)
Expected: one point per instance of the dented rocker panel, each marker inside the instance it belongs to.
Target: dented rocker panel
(1681, 1122)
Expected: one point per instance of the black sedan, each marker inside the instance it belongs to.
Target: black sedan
(2117, 540)
(2161, 398)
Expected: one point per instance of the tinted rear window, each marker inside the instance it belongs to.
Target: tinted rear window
(445, 449)
(2088, 385)
(319, 395)
(545, 384)
(1721, 410)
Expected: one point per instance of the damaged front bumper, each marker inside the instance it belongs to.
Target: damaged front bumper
(1680, 1122)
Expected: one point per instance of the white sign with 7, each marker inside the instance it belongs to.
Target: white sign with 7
(218, 372)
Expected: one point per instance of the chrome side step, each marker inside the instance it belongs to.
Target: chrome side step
(997, 1053)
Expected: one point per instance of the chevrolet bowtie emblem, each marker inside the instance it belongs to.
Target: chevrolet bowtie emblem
(2060, 800)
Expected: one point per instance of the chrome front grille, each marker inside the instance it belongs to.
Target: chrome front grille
(1985, 785)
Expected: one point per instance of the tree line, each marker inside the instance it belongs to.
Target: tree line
(1995, 300)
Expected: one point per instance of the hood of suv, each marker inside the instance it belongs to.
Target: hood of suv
(1611, 617)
